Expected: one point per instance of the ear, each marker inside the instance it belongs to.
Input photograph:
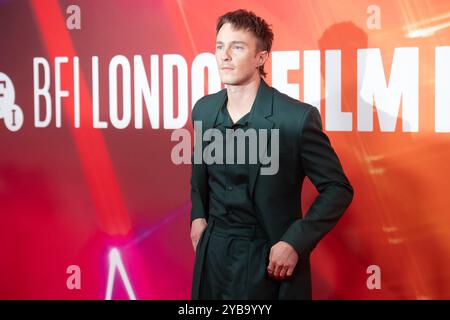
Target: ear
(262, 57)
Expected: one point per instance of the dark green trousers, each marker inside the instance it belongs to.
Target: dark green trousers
(231, 263)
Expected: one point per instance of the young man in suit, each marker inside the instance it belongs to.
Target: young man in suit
(247, 228)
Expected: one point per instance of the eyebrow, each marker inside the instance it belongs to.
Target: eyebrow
(233, 42)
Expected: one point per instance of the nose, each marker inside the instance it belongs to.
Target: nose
(225, 56)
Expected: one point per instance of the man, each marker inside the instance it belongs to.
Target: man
(247, 229)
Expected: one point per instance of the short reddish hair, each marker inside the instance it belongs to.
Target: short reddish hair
(247, 20)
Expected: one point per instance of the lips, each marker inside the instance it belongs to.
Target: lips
(227, 68)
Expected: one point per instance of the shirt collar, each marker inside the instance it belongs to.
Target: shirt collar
(224, 117)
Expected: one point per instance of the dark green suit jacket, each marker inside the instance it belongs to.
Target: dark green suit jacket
(305, 150)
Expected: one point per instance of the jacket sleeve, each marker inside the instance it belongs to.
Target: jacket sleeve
(324, 169)
(199, 177)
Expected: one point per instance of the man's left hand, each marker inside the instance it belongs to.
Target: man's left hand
(282, 260)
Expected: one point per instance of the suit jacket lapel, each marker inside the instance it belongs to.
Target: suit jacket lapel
(263, 109)
(211, 113)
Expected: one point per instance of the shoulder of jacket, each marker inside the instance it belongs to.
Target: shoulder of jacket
(290, 105)
(204, 102)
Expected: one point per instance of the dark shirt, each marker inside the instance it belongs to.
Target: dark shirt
(229, 197)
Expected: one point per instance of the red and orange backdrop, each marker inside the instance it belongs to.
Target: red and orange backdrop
(90, 92)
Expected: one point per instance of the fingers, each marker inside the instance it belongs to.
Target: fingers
(196, 234)
(289, 272)
(194, 240)
(279, 271)
(271, 268)
(282, 274)
(282, 261)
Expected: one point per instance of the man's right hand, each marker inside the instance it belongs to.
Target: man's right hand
(198, 226)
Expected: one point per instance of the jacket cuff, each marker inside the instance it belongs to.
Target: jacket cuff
(196, 215)
(293, 237)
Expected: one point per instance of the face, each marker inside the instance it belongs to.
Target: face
(237, 55)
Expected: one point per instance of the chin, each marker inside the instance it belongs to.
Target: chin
(227, 80)
(233, 81)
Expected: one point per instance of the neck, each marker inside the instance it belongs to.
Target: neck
(241, 97)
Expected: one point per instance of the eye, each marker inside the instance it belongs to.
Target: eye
(238, 47)
(219, 47)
